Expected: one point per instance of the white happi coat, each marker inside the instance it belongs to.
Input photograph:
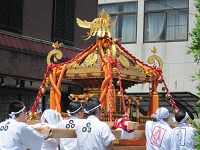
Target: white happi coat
(51, 143)
(68, 143)
(16, 135)
(92, 134)
(159, 136)
(185, 134)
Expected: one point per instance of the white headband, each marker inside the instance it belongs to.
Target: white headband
(88, 111)
(12, 114)
(69, 112)
(185, 118)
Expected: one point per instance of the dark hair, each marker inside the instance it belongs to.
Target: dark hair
(73, 106)
(15, 106)
(91, 103)
(180, 115)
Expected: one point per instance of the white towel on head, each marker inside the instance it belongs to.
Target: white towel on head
(183, 120)
(161, 113)
(51, 116)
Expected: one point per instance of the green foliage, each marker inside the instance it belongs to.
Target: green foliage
(194, 48)
(195, 34)
(197, 137)
(197, 77)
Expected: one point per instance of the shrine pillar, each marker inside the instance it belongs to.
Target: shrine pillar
(52, 99)
(154, 97)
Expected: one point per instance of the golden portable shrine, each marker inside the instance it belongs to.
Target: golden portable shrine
(105, 69)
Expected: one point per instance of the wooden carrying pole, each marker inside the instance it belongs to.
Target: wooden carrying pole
(71, 133)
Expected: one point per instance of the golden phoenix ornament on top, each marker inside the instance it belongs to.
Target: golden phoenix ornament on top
(99, 26)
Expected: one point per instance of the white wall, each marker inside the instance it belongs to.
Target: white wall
(178, 67)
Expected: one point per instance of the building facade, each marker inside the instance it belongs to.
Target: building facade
(27, 30)
(163, 24)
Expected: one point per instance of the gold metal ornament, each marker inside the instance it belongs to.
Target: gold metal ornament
(102, 64)
(42, 90)
(75, 65)
(119, 93)
(31, 114)
(40, 101)
(99, 26)
(124, 61)
(154, 50)
(57, 45)
(113, 50)
(163, 88)
(105, 45)
(91, 59)
(57, 54)
(35, 114)
(108, 51)
(115, 71)
(47, 82)
(168, 95)
(152, 58)
(147, 73)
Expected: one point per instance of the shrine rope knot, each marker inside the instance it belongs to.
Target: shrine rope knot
(120, 123)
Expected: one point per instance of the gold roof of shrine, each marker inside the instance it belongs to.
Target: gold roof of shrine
(89, 72)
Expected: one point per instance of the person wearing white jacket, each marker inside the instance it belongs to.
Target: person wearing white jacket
(49, 118)
(159, 135)
(93, 134)
(184, 132)
(15, 134)
(76, 112)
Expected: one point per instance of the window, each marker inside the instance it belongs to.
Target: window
(126, 25)
(166, 20)
(11, 15)
(63, 28)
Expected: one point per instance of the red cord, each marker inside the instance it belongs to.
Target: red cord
(121, 124)
(157, 69)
